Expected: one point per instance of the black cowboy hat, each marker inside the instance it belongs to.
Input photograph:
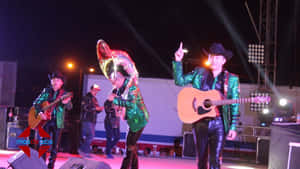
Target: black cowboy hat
(218, 49)
(56, 75)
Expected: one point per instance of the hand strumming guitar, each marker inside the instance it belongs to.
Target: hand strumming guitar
(66, 100)
(43, 116)
(120, 111)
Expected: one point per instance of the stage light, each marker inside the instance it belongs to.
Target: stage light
(278, 119)
(283, 102)
(258, 107)
(266, 111)
(70, 65)
(239, 167)
(256, 53)
(263, 124)
(185, 51)
(5, 152)
(92, 70)
(207, 63)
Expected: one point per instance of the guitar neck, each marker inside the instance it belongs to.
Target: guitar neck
(232, 101)
(51, 104)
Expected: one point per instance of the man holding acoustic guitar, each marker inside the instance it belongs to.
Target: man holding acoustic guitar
(210, 129)
(48, 112)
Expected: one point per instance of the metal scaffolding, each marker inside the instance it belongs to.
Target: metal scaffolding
(268, 20)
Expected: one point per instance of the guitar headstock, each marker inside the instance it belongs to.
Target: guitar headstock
(261, 99)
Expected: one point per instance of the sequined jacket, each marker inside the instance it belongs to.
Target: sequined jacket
(136, 115)
(230, 113)
(59, 111)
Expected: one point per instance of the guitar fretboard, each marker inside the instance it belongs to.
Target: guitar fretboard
(233, 101)
(57, 100)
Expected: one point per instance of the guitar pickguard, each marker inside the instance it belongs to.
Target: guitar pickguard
(202, 111)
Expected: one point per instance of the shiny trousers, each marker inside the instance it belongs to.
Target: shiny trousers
(209, 137)
(131, 158)
(55, 133)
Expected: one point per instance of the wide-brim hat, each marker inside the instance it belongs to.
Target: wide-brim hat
(56, 74)
(96, 87)
(110, 60)
(218, 49)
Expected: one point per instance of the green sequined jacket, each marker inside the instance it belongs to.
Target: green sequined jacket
(59, 109)
(230, 113)
(136, 113)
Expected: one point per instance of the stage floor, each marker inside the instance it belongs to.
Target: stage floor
(144, 162)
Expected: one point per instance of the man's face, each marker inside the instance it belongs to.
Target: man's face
(117, 79)
(94, 91)
(56, 83)
(217, 61)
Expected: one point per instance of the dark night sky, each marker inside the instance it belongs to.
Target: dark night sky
(42, 35)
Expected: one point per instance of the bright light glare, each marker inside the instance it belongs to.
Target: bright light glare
(4, 152)
(240, 167)
(70, 65)
(185, 51)
(207, 63)
(266, 111)
(92, 70)
(283, 102)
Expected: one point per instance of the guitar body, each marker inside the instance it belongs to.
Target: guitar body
(193, 104)
(35, 121)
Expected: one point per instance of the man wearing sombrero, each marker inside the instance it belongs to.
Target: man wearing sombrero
(209, 133)
(118, 67)
(55, 124)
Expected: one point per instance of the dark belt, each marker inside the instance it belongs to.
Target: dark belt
(208, 119)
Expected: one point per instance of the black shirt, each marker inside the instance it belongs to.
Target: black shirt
(88, 108)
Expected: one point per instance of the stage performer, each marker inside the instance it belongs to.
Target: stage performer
(119, 68)
(209, 133)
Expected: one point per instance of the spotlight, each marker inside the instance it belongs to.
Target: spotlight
(207, 63)
(256, 53)
(258, 107)
(91, 70)
(239, 167)
(283, 102)
(263, 124)
(70, 65)
(266, 111)
(185, 51)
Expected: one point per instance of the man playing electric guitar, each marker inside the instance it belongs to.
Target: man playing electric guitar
(209, 133)
(55, 124)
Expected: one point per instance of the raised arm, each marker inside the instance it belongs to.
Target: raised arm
(179, 77)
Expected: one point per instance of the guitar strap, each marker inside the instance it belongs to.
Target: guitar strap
(60, 93)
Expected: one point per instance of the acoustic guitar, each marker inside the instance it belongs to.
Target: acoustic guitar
(35, 121)
(194, 104)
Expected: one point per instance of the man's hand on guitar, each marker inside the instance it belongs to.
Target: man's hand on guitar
(43, 116)
(66, 101)
(120, 111)
(179, 53)
(231, 135)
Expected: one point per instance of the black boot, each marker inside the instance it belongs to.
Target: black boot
(127, 161)
(52, 160)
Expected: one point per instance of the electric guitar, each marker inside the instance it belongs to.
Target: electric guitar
(194, 105)
(35, 121)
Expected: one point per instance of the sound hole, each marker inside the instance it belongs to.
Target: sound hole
(207, 103)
